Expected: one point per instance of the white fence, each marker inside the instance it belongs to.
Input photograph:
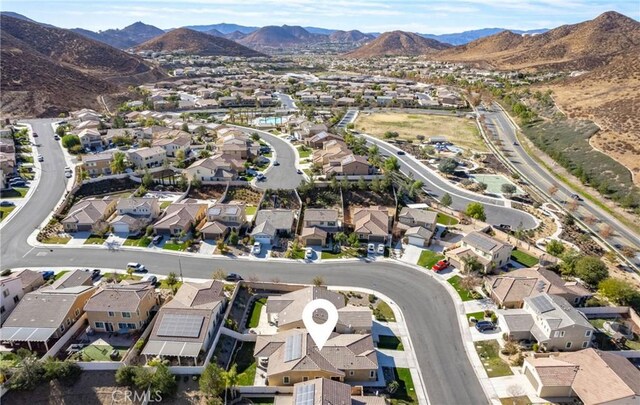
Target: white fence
(100, 365)
(256, 391)
(244, 337)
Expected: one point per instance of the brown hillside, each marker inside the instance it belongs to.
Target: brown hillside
(398, 43)
(197, 43)
(582, 46)
(275, 37)
(349, 36)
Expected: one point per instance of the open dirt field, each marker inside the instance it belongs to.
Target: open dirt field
(462, 132)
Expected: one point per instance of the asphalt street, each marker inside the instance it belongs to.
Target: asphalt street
(536, 174)
(427, 307)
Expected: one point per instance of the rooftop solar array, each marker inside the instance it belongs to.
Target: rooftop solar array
(542, 304)
(305, 394)
(481, 242)
(181, 325)
(293, 347)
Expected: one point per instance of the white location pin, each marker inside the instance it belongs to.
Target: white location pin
(320, 332)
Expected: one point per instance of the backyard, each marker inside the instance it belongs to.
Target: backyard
(462, 132)
(246, 364)
(524, 258)
(98, 353)
(447, 220)
(493, 364)
(428, 258)
(254, 318)
(465, 294)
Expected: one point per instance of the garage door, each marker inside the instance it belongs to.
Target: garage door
(121, 228)
(263, 239)
(416, 241)
(314, 242)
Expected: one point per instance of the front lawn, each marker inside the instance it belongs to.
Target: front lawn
(390, 342)
(163, 284)
(5, 211)
(95, 240)
(164, 204)
(522, 400)
(428, 258)
(246, 364)
(524, 258)
(250, 210)
(465, 294)
(489, 355)
(254, 319)
(479, 316)
(179, 247)
(345, 253)
(304, 152)
(406, 393)
(57, 240)
(383, 312)
(15, 192)
(138, 240)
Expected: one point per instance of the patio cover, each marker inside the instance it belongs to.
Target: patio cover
(23, 334)
(169, 348)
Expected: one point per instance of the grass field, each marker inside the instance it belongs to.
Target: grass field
(428, 258)
(57, 240)
(179, 247)
(462, 132)
(140, 240)
(465, 294)
(304, 151)
(95, 240)
(524, 258)
(384, 313)
(99, 353)
(246, 364)
(447, 220)
(254, 319)
(406, 393)
(164, 285)
(250, 210)
(164, 204)
(493, 364)
(5, 211)
(16, 192)
(390, 342)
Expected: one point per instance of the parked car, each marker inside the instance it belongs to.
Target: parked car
(400, 152)
(157, 239)
(40, 158)
(371, 248)
(95, 274)
(308, 253)
(483, 326)
(48, 274)
(19, 183)
(68, 174)
(233, 277)
(276, 163)
(576, 197)
(153, 280)
(441, 265)
(381, 249)
(35, 134)
(261, 177)
(137, 267)
(299, 171)
(56, 137)
(7, 204)
(515, 144)
(257, 248)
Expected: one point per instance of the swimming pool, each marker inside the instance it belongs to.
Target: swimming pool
(269, 121)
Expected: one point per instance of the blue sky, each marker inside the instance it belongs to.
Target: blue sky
(424, 16)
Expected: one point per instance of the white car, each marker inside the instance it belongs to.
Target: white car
(68, 174)
(380, 249)
(308, 253)
(257, 248)
(371, 248)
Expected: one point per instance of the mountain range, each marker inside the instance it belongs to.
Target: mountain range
(398, 43)
(127, 37)
(196, 42)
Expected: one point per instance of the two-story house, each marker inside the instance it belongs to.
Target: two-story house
(318, 224)
(147, 158)
(90, 138)
(488, 252)
(173, 145)
(222, 219)
(550, 320)
(11, 294)
(98, 164)
(133, 214)
(421, 225)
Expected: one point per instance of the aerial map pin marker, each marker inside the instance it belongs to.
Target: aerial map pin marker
(320, 332)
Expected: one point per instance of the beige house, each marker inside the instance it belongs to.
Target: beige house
(215, 169)
(593, 376)
(172, 145)
(180, 217)
(293, 357)
(147, 158)
(327, 219)
(98, 164)
(121, 308)
(372, 224)
(347, 165)
(509, 290)
(44, 315)
(488, 252)
(313, 236)
(319, 139)
(90, 138)
(550, 320)
(86, 213)
(222, 218)
(321, 391)
(418, 217)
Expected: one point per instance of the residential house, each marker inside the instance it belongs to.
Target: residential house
(348, 165)
(12, 293)
(185, 326)
(550, 320)
(309, 129)
(510, 289)
(222, 218)
(90, 138)
(285, 311)
(88, 212)
(31, 280)
(489, 253)
(320, 391)
(313, 236)
(317, 140)
(181, 217)
(215, 169)
(237, 144)
(147, 158)
(272, 223)
(172, 145)
(45, 315)
(134, 213)
(293, 357)
(98, 164)
(324, 218)
(372, 224)
(421, 223)
(331, 150)
(589, 376)
(121, 308)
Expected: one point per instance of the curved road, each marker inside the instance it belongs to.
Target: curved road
(428, 309)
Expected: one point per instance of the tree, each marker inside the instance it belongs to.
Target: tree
(211, 381)
(618, 291)
(569, 260)
(446, 200)
(67, 372)
(143, 378)
(196, 182)
(470, 282)
(475, 210)
(318, 281)
(354, 240)
(27, 374)
(219, 274)
(118, 164)
(391, 164)
(508, 189)
(555, 247)
(204, 154)
(471, 263)
(230, 379)
(362, 184)
(163, 381)
(70, 140)
(100, 227)
(448, 165)
(340, 238)
(60, 131)
(171, 280)
(201, 131)
(591, 270)
(482, 186)
(125, 375)
(391, 135)
(147, 180)
(222, 247)
(233, 238)
(118, 122)
(255, 136)
(180, 156)
(185, 127)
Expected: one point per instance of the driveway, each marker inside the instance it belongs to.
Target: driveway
(78, 238)
(207, 247)
(411, 254)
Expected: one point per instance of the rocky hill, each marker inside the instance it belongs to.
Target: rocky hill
(128, 37)
(398, 43)
(349, 36)
(46, 70)
(277, 37)
(582, 46)
(198, 43)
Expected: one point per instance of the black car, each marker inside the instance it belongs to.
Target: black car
(35, 134)
(576, 197)
(400, 152)
(7, 204)
(276, 163)
(233, 277)
(299, 171)
(483, 326)
(95, 274)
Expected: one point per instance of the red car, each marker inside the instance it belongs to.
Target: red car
(441, 265)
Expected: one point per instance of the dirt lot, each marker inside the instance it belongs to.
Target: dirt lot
(243, 194)
(462, 132)
(207, 192)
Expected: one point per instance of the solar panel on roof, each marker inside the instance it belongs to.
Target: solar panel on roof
(293, 347)
(305, 394)
(181, 325)
(484, 243)
(542, 304)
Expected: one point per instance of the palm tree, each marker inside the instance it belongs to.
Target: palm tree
(117, 163)
(230, 379)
